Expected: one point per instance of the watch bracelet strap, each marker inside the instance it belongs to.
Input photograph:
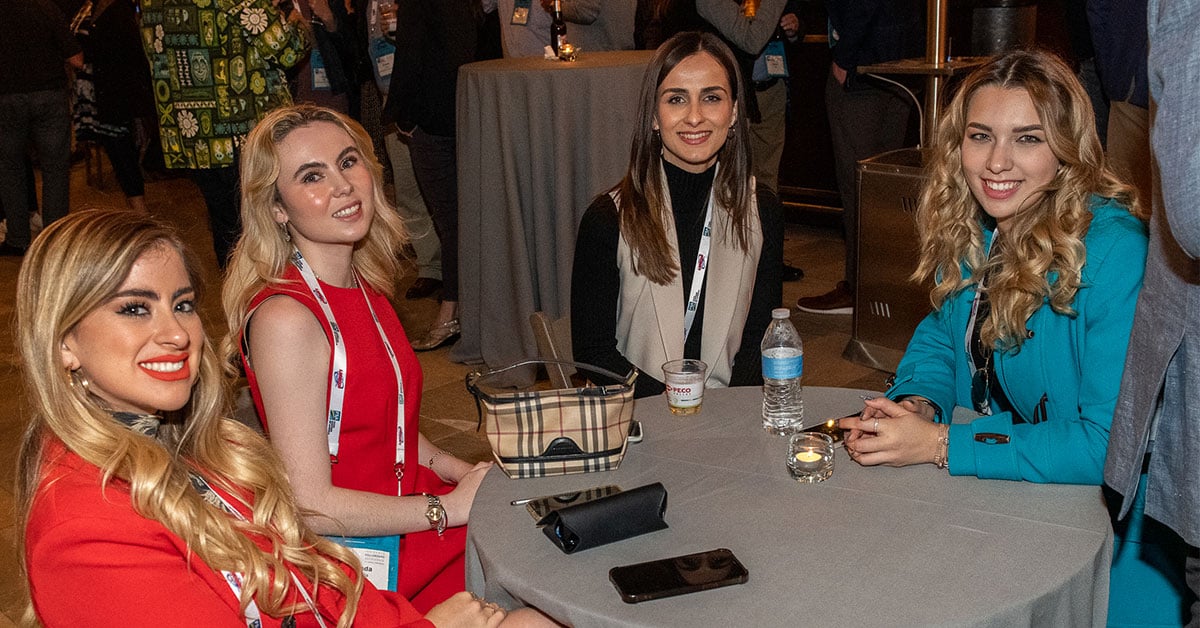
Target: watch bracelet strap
(438, 523)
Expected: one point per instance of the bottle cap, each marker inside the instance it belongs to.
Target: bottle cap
(781, 312)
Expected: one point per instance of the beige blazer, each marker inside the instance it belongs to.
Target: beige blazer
(650, 316)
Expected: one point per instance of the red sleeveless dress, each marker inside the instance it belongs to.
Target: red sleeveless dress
(431, 567)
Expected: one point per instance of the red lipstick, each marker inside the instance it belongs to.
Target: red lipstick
(154, 367)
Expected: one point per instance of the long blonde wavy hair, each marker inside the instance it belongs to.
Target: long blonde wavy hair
(75, 266)
(262, 255)
(1041, 242)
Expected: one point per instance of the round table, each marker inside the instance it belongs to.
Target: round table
(868, 547)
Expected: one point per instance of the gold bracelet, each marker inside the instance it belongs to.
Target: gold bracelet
(432, 458)
(942, 458)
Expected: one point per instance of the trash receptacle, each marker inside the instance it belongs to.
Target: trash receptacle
(1001, 25)
(887, 304)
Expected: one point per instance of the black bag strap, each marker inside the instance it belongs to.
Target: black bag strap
(475, 378)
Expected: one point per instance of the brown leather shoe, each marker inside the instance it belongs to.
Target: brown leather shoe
(837, 301)
(423, 287)
(439, 335)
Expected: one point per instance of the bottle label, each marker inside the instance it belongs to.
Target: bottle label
(782, 364)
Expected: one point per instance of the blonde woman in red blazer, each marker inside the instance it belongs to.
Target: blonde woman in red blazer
(141, 504)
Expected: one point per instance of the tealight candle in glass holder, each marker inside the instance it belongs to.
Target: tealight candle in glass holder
(810, 457)
(567, 52)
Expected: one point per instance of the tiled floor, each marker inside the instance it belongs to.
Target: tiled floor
(447, 411)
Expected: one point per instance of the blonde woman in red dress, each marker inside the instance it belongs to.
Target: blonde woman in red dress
(332, 373)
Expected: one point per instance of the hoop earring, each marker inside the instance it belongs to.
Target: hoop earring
(283, 227)
(77, 379)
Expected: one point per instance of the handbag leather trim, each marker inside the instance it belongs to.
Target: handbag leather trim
(552, 457)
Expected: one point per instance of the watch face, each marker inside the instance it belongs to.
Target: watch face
(434, 514)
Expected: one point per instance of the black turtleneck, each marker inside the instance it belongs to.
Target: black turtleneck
(689, 200)
(596, 280)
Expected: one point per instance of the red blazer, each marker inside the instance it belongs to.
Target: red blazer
(94, 561)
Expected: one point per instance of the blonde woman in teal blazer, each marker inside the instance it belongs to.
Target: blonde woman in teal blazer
(1036, 258)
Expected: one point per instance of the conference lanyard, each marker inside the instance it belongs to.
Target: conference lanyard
(253, 616)
(701, 267)
(338, 374)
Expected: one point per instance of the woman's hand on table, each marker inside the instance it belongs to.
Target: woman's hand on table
(891, 433)
(458, 501)
(869, 413)
(463, 610)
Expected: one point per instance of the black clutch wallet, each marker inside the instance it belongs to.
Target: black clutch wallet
(614, 518)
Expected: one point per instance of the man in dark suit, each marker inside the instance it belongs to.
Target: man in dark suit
(866, 116)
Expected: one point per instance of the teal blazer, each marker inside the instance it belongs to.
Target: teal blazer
(1063, 381)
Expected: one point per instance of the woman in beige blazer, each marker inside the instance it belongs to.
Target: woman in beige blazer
(682, 258)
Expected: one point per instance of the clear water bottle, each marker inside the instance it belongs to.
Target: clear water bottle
(782, 367)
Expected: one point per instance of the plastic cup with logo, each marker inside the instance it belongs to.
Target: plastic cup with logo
(685, 385)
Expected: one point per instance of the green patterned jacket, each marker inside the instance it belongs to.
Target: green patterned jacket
(217, 67)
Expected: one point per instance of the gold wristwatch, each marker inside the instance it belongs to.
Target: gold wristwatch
(435, 512)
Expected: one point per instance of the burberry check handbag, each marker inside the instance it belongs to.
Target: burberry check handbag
(536, 433)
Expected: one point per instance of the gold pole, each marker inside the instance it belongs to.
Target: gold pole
(936, 55)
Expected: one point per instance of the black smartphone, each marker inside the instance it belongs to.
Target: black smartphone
(542, 506)
(676, 576)
(831, 429)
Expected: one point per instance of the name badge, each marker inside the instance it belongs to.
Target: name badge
(320, 80)
(379, 555)
(775, 58)
(520, 15)
(383, 56)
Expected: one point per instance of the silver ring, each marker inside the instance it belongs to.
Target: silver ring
(876, 428)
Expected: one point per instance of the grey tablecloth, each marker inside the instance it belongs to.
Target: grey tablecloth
(537, 141)
(868, 547)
